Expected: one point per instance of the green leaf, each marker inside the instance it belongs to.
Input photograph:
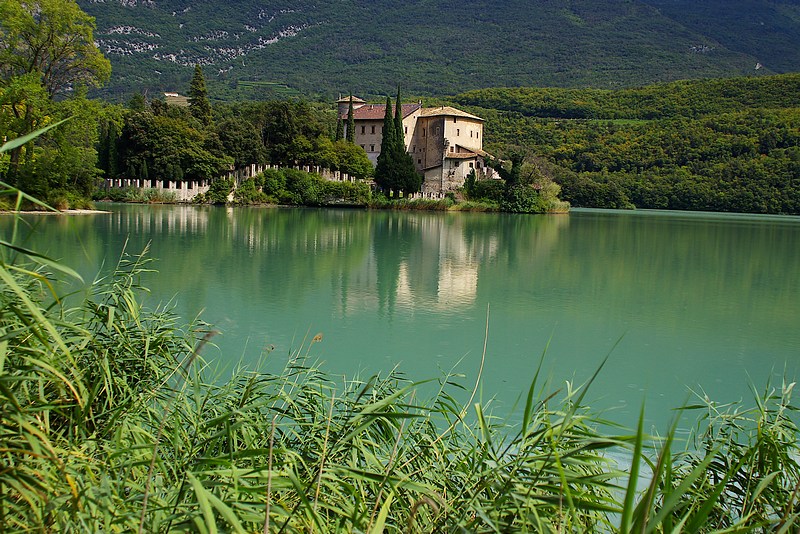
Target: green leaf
(19, 141)
(380, 522)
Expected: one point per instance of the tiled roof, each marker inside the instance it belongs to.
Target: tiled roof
(346, 100)
(461, 155)
(477, 151)
(447, 111)
(377, 111)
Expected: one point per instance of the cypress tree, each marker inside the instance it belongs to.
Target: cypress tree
(339, 129)
(383, 171)
(407, 179)
(199, 106)
(398, 121)
(351, 123)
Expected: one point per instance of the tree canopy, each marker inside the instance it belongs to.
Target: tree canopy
(198, 97)
(395, 171)
(52, 39)
(46, 51)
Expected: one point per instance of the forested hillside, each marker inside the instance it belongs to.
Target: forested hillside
(718, 145)
(271, 48)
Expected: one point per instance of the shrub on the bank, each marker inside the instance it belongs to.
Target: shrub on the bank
(137, 195)
(63, 199)
(247, 193)
(299, 188)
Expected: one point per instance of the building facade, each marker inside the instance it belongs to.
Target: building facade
(445, 143)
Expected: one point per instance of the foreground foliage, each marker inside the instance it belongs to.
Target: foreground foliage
(110, 422)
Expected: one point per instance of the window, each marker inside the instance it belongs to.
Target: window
(455, 119)
(373, 129)
(364, 147)
(471, 165)
(405, 130)
(423, 132)
(458, 132)
(452, 149)
(419, 161)
(363, 129)
(413, 148)
(372, 148)
(470, 134)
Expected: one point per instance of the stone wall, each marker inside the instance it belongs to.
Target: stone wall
(187, 190)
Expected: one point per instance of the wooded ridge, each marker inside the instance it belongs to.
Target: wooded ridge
(259, 50)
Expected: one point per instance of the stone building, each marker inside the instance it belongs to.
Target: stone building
(445, 143)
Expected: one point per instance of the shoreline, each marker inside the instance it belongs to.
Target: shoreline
(65, 212)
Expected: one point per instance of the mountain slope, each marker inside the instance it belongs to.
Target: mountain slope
(430, 47)
(767, 30)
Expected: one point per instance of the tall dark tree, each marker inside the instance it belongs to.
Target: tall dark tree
(339, 129)
(199, 105)
(395, 170)
(351, 122)
(398, 119)
(408, 179)
(384, 175)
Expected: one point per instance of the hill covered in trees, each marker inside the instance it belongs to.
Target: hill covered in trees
(717, 145)
(275, 48)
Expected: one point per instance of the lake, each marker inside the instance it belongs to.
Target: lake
(683, 303)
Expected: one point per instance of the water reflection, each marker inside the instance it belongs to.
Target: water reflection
(698, 300)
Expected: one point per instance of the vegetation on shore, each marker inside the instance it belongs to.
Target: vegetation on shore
(714, 145)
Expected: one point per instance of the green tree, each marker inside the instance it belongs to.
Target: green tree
(395, 171)
(241, 141)
(290, 130)
(54, 39)
(198, 97)
(384, 171)
(47, 50)
(408, 179)
(339, 129)
(163, 143)
(351, 122)
(399, 132)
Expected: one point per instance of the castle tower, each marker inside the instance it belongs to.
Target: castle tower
(344, 104)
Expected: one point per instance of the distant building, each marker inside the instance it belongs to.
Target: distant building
(175, 99)
(445, 143)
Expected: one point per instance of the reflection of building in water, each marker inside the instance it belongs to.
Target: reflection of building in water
(156, 220)
(458, 284)
(418, 263)
(433, 263)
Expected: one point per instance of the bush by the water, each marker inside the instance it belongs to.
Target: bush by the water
(112, 424)
(290, 187)
(144, 195)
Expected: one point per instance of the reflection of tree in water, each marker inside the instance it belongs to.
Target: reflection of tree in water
(606, 262)
(435, 260)
(395, 236)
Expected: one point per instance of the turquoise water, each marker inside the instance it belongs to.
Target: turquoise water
(683, 303)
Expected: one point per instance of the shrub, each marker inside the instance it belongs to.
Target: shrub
(489, 190)
(219, 191)
(247, 193)
(522, 199)
(271, 181)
